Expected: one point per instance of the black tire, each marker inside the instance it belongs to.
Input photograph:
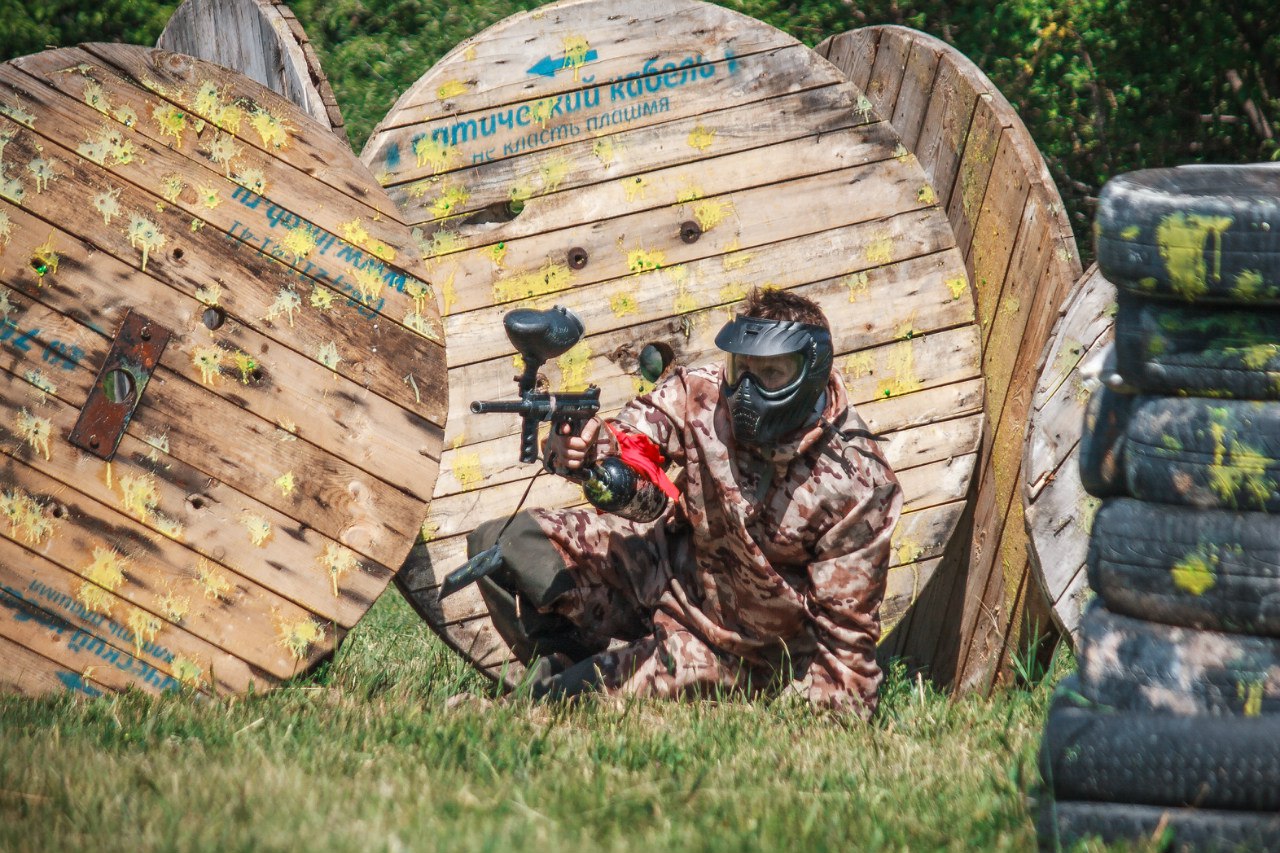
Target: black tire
(1060, 825)
(1205, 453)
(1091, 752)
(1210, 569)
(1106, 418)
(1194, 233)
(1172, 348)
(1136, 665)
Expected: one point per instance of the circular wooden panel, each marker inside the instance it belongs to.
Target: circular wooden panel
(1058, 510)
(610, 125)
(1021, 256)
(281, 459)
(262, 40)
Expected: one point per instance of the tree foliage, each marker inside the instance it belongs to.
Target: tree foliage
(1104, 86)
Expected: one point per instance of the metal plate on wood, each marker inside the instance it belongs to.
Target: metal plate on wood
(1059, 511)
(280, 462)
(1010, 225)
(261, 39)
(646, 165)
(118, 389)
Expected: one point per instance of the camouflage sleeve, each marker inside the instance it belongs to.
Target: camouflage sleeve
(660, 415)
(848, 582)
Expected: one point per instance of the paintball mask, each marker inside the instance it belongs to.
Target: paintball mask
(777, 370)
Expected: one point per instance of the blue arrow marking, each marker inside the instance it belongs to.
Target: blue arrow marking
(547, 67)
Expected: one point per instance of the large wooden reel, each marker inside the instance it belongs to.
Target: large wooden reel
(612, 127)
(261, 39)
(284, 449)
(1010, 225)
(1059, 511)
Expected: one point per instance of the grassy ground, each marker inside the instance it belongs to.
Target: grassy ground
(366, 757)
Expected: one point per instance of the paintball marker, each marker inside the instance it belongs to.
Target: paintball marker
(611, 485)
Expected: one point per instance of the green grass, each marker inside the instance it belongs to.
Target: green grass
(366, 756)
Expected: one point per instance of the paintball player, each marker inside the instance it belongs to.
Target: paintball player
(766, 572)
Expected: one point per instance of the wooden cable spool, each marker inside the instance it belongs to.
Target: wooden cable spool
(1059, 511)
(194, 268)
(262, 40)
(645, 167)
(1019, 252)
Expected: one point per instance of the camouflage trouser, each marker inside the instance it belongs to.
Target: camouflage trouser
(574, 580)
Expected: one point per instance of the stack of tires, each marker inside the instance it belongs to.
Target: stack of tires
(1171, 728)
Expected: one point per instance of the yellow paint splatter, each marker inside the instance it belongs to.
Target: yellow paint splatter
(438, 155)
(27, 517)
(858, 364)
(297, 637)
(642, 260)
(735, 260)
(285, 483)
(551, 278)
(623, 304)
(466, 469)
(251, 179)
(423, 325)
(138, 495)
(635, 188)
(188, 672)
(273, 132)
(95, 97)
(212, 581)
(925, 195)
(258, 527)
(1251, 693)
(6, 230)
(865, 108)
(1196, 573)
(908, 552)
(605, 149)
(701, 138)
(880, 250)
(208, 196)
(208, 360)
(1182, 239)
(222, 149)
(371, 282)
(43, 171)
(174, 607)
(327, 355)
(144, 626)
(44, 259)
(287, 302)
(42, 385)
(958, 286)
(858, 284)
(469, 54)
(451, 89)
(900, 153)
(553, 172)
(171, 187)
(901, 369)
(171, 120)
(107, 203)
(429, 530)
(299, 242)
(575, 368)
(18, 113)
(685, 302)
(710, 213)
(246, 364)
(1131, 233)
(6, 305)
(575, 52)
(420, 293)
(1250, 285)
(540, 111)
(355, 233)
(452, 198)
(1238, 471)
(338, 562)
(10, 188)
(107, 569)
(321, 298)
(34, 430)
(107, 148)
(196, 225)
(145, 236)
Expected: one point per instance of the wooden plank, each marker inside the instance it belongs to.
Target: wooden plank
(886, 74)
(107, 630)
(914, 95)
(945, 132)
(333, 402)
(854, 53)
(29, 674)
(999, 223)
(119, 556)
(173, 499)
(973, 175)
(423, 195)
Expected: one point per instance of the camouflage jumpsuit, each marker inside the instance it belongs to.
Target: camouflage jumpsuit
(768, 573)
